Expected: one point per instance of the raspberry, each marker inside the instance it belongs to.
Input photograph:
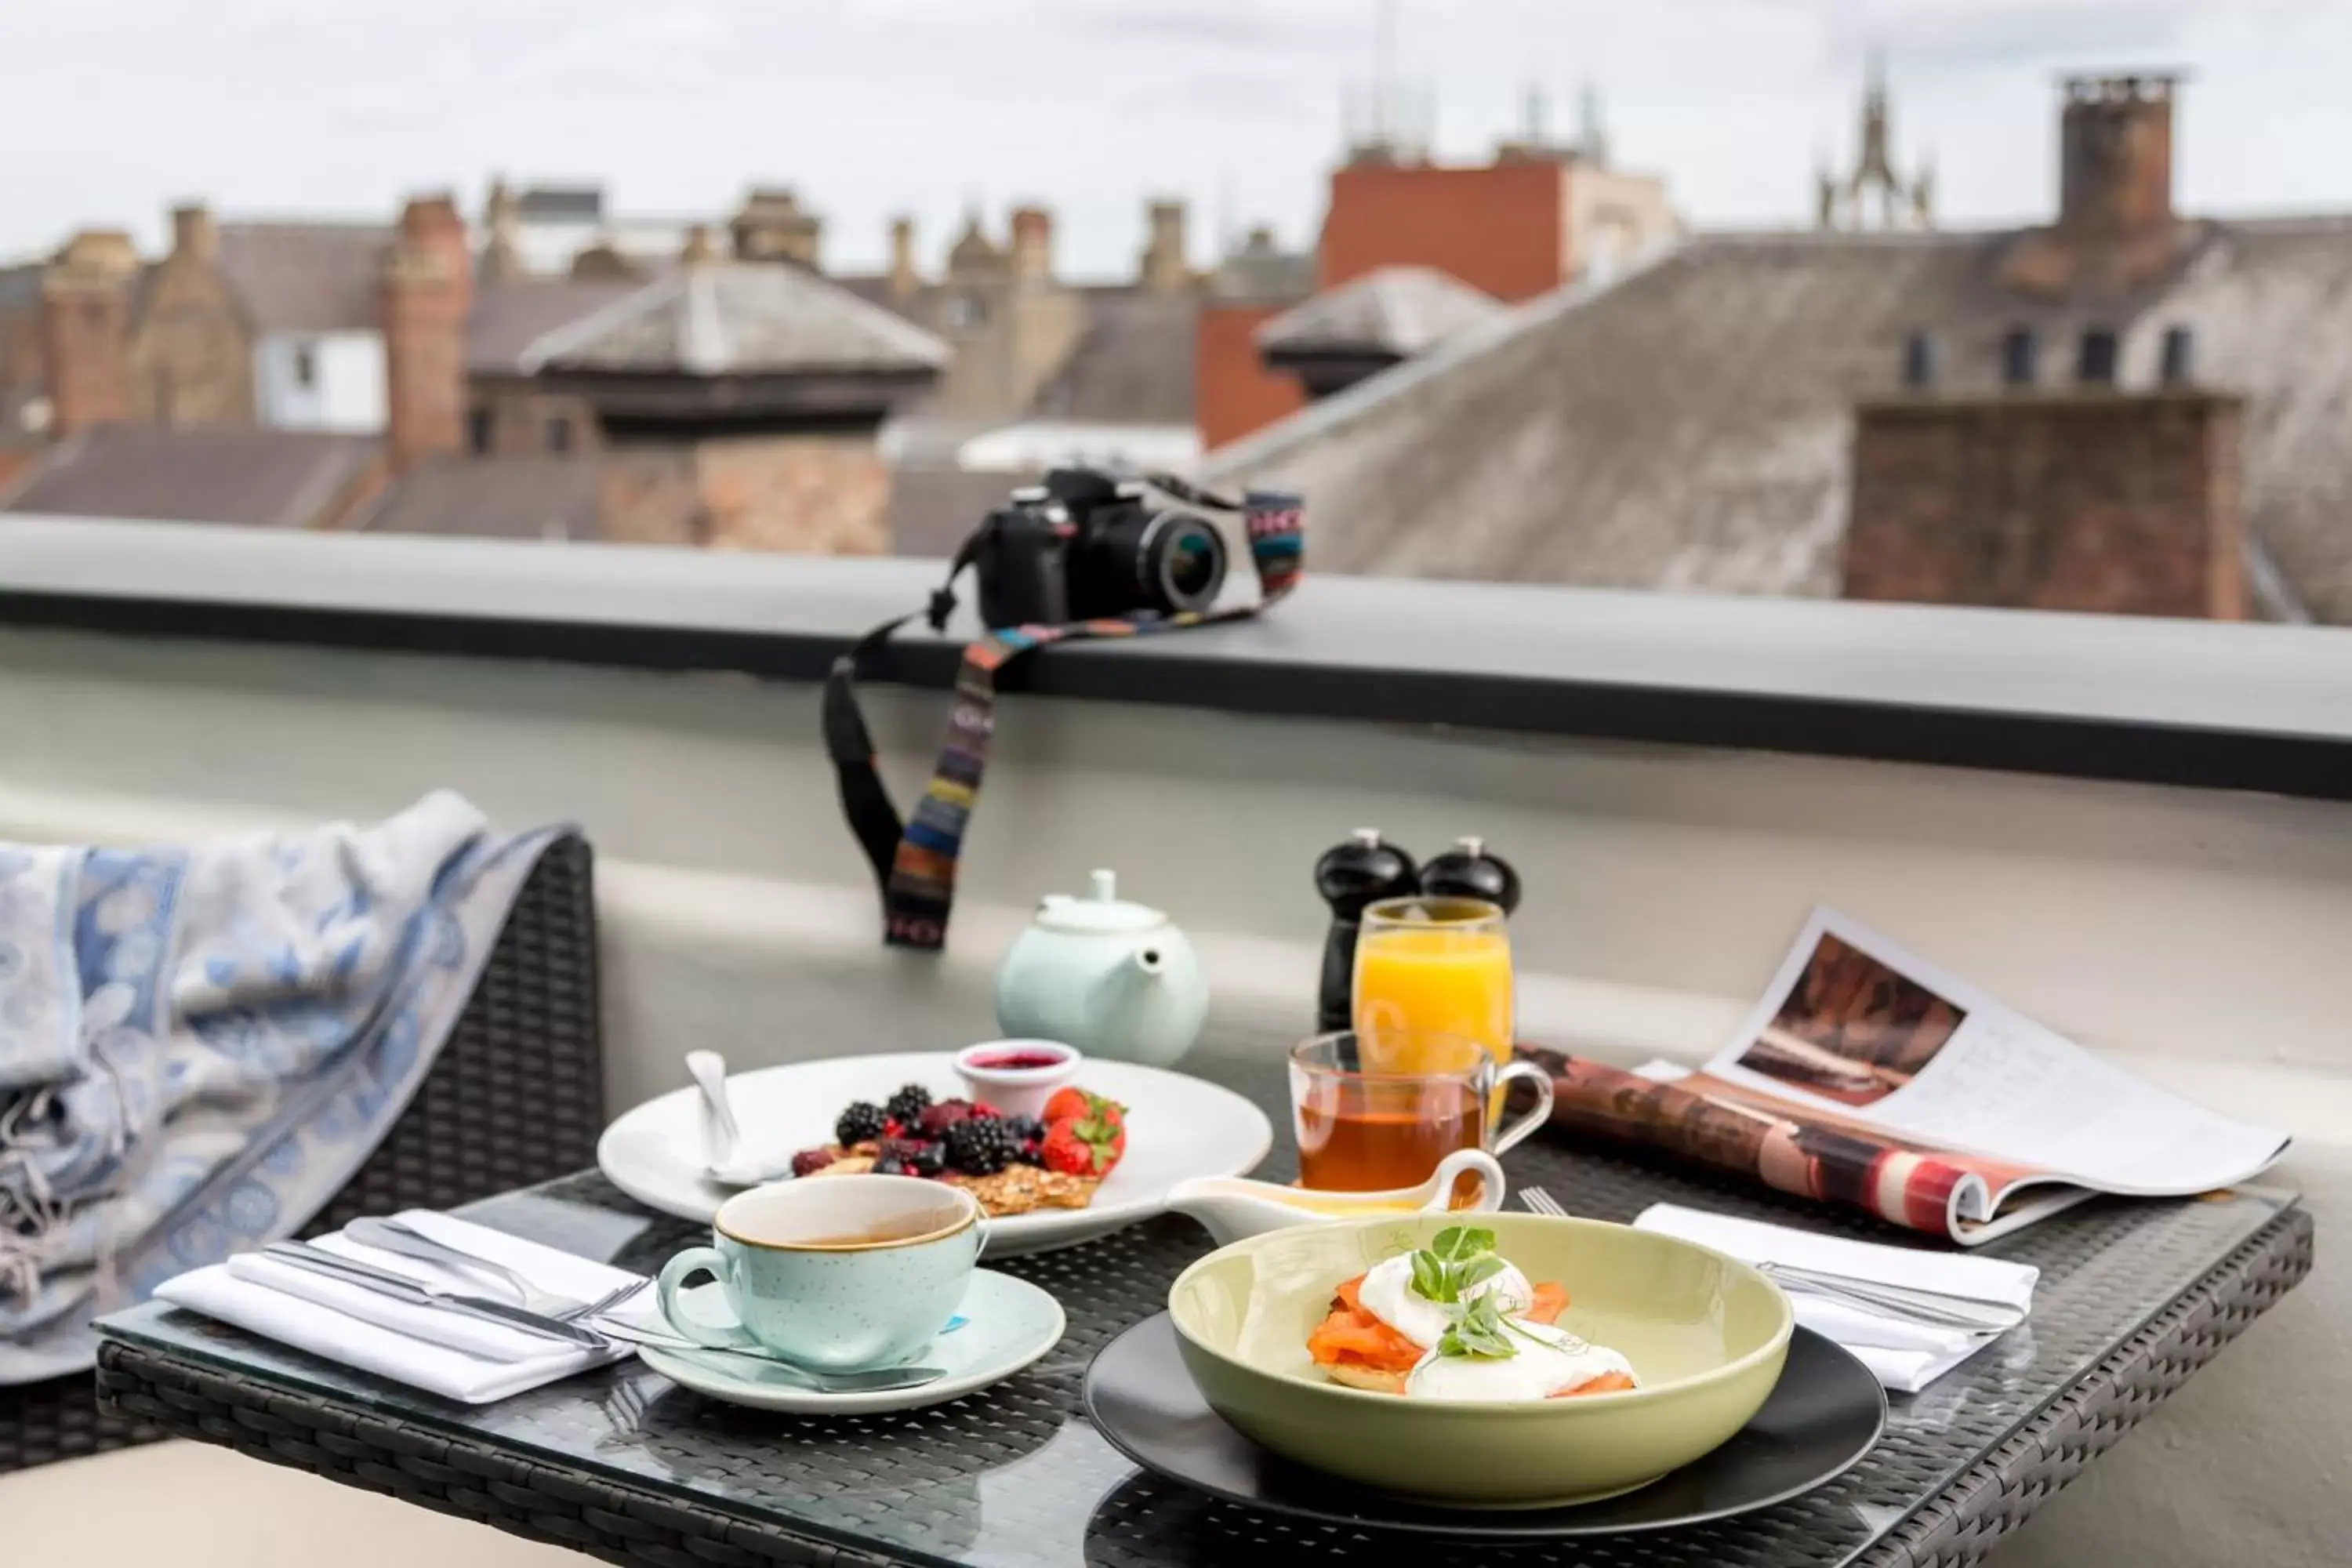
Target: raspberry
(982, 1108)
(812, 1160)
(935, 1122)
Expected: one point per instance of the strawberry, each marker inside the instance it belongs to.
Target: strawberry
(1065, 1152)
(1108, 1133)
(1076, 1104)
(1084, 1145)
(1067, 1105)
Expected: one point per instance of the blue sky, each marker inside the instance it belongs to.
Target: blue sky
(118, 107)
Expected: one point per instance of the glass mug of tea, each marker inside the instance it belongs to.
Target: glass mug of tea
(1364, 1128)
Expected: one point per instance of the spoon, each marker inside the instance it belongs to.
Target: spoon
(879, 1381)
(722, 1138)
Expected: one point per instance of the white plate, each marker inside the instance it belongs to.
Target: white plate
(1013, 1323)
(1177, 1128)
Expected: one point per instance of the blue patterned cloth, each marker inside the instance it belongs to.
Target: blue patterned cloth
(200, 1045)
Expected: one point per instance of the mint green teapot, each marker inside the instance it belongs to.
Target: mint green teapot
(1118, 980)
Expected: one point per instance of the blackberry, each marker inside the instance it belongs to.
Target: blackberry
(982, 1145)
(1028, 1128)
(811, 1160)
(861, 1123)
(891, 1167)
(908, 1104)
(928, 1159)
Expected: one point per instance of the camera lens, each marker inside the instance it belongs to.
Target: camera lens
(1183, 561)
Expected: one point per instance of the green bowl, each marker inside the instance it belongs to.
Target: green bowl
(1707, 1335)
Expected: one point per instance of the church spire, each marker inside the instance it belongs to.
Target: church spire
(1876, 196)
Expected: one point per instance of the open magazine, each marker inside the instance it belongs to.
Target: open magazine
(1867, 1077)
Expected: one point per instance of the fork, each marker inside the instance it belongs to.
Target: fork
(1889, 1301)
(1535, 1200)
(394, 1236)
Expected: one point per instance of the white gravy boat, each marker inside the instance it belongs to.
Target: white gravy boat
(1232, 1207)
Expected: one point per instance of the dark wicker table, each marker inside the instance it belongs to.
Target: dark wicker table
(626, 1466)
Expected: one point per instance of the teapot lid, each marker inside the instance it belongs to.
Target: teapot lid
(1100, 911)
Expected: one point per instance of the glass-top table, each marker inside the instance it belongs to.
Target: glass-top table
(622, 1463)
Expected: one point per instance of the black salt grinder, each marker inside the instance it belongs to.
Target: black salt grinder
(1351, 877)
(1468, 871)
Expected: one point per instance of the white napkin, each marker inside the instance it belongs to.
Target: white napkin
(1905, 1356)
(448, 1354)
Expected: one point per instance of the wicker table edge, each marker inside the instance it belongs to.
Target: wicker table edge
(629, 1524)
(1963, 1522)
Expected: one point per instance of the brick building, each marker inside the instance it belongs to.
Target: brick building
(710, 402)
(2122, 409)
(1539, 214)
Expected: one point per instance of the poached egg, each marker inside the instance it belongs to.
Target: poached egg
(1387, 1293)
(1549, 1360)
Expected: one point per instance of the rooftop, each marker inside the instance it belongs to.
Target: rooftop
(548, 499)
(737, 319)
(263, 478)
(1686, 427)
(305, 276)
(1132, 364)
(1399, 310)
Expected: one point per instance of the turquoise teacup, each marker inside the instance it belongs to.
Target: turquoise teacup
(833, 1273)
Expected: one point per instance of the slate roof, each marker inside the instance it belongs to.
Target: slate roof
(1133, 363)
(552, 498)
(1399, 310)
(738, 318)
(508, 318)
(264, 478)
(307, 277)
(1688, 427)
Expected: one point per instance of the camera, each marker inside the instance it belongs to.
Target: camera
(1087, 546)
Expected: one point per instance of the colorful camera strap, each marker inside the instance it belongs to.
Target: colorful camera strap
(915, 860)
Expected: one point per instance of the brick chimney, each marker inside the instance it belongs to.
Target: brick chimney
(1165, 268)
(2115, 156)
(194, 236)
(86, 331)
(773, 226)
(1032, 245)
(428, 293)
(2087, 498)
(906, 274)
(2116, 227)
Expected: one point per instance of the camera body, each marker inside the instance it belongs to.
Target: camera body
(1086, 546)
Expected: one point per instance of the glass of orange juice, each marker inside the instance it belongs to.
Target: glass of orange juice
(1431, 967)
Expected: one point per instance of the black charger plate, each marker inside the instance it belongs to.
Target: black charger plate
(1822, 1416)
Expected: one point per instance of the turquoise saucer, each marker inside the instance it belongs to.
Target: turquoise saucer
(1008, 1324)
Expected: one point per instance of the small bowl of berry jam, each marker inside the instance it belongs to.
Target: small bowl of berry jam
(1016, 1077)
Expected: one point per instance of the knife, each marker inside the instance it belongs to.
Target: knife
(401, 1288)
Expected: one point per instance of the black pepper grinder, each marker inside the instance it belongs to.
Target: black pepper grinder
(1468, 871)
(1351, 877)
